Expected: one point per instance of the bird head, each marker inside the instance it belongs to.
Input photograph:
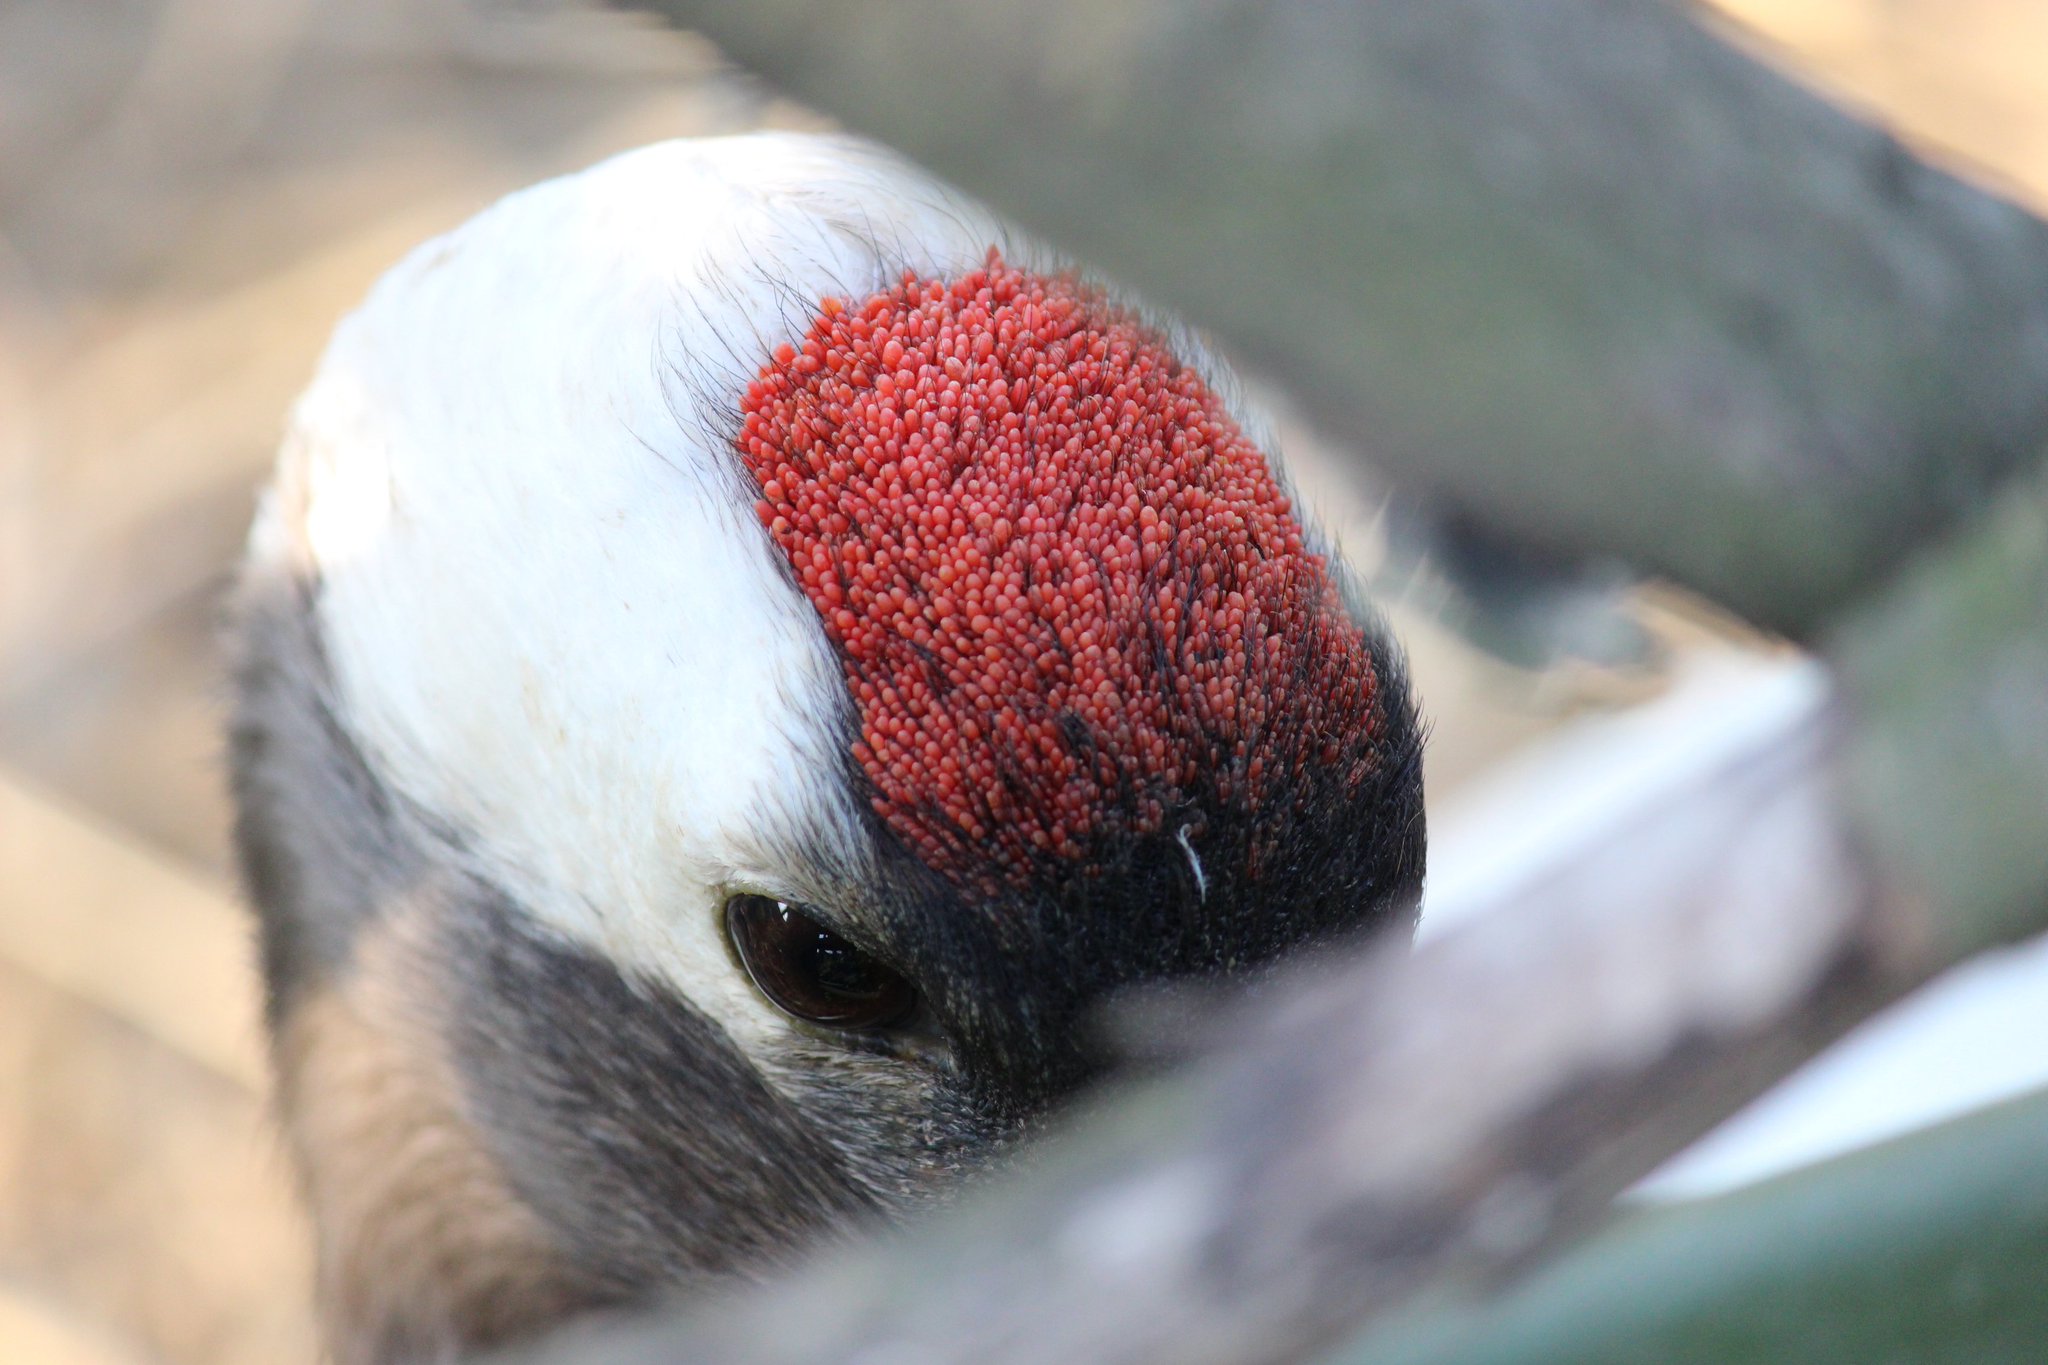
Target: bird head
(743, 655)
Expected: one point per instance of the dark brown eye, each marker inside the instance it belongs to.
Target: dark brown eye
(811, 972)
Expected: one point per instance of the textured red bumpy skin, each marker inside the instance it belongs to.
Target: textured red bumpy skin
(1070, 598)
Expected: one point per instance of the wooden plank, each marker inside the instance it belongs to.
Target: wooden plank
(94, 915)
(35, 1332)
(141, 1184)
(143, 1191)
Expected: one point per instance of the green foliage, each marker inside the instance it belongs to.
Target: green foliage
(1929, 1248)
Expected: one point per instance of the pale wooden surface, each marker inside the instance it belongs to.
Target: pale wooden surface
(182, 215)
(36, 1332)
(140, 1187)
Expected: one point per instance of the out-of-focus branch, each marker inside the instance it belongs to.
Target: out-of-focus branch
(1927, 1247)
(1947, 678)
(201, 89)
(1580, 275)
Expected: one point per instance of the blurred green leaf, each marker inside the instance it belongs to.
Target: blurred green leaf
(1930, 1248)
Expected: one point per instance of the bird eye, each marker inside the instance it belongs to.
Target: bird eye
(811, 972)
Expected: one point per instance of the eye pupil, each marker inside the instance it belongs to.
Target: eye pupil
(811, 972)
(840, 971)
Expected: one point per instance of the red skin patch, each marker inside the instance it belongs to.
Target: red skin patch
(1069, 596)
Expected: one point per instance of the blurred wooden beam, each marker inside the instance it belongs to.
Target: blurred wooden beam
(121, 929)
(1579, 275)
(35, 1332)
(141, 1188)
(1928, 1248)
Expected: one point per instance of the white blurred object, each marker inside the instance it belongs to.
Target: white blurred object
(1977, 1035)
(1584, 779)
(1974, 1037)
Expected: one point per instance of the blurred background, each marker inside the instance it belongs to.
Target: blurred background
(191, 191)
